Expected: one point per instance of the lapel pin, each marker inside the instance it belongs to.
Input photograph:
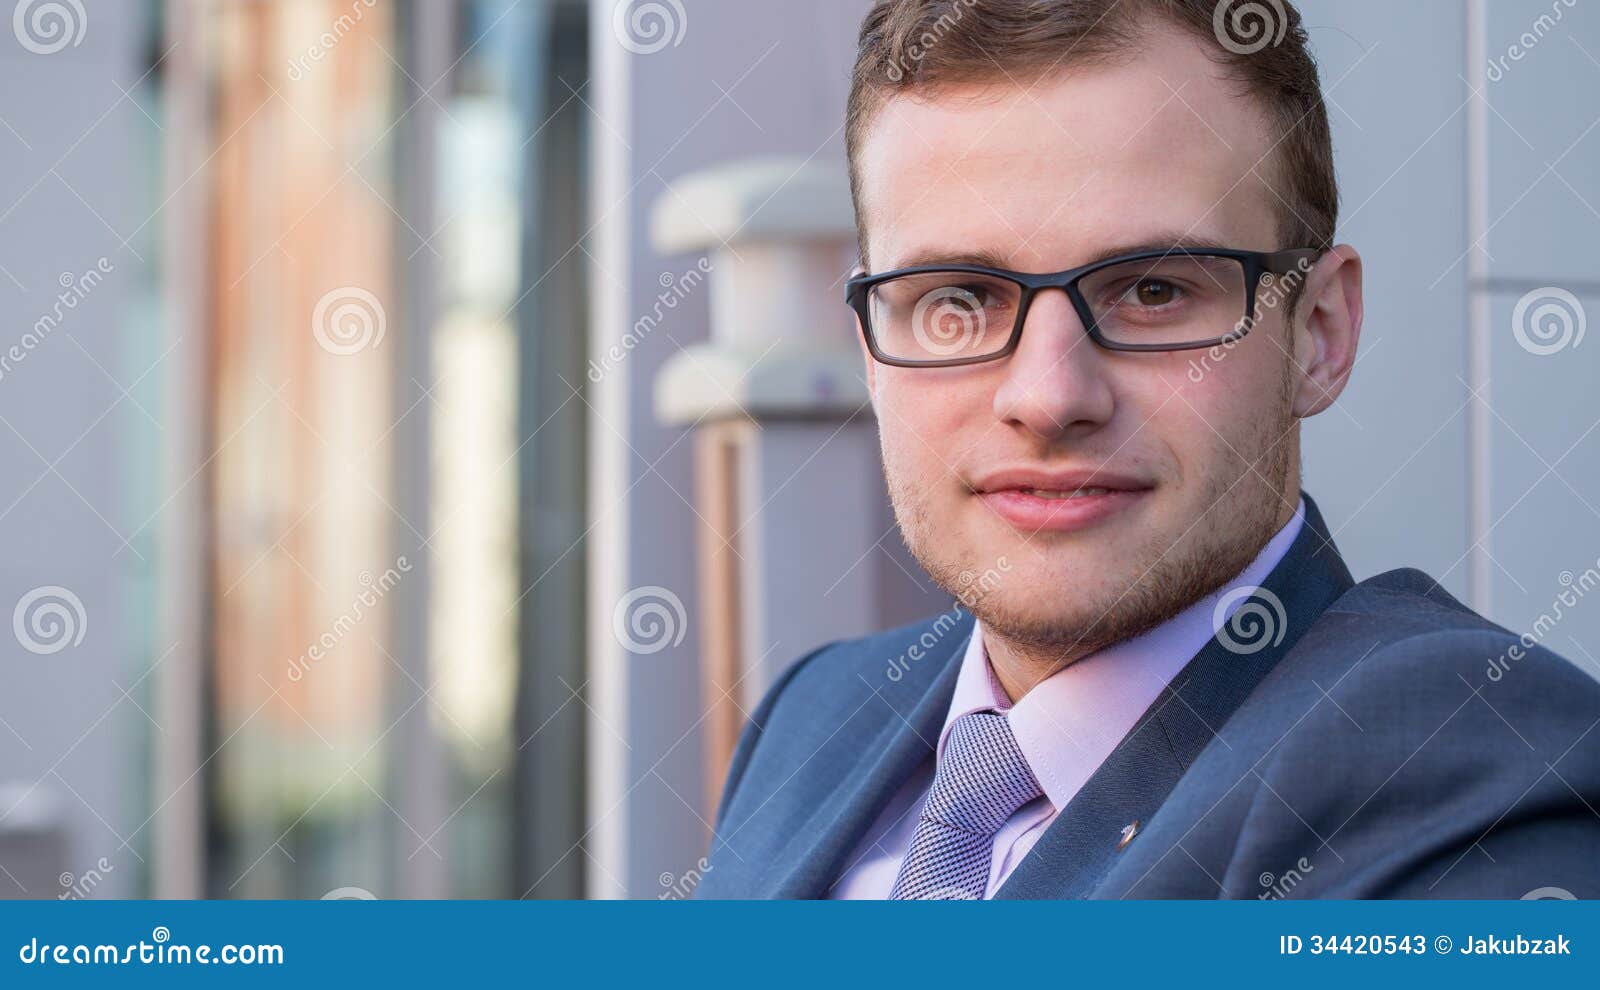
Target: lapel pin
(1128, 832)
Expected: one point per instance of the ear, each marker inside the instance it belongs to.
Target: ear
(1327, 330)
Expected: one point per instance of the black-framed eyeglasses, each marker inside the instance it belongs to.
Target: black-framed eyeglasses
(1173, 300)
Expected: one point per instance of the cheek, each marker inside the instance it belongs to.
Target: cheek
(924, 416)
(1231, 386)
(1209, 406)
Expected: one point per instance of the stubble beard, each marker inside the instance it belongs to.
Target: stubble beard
(1243, 513)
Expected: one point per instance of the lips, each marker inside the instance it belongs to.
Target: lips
(1059, 501)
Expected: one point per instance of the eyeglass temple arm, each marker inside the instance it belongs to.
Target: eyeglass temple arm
(1284, 262)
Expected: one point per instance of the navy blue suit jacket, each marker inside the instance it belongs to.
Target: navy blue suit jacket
(1368, 752)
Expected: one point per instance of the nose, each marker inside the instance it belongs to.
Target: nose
(1055, 384)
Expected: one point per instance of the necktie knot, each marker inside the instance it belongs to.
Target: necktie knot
(981, 780)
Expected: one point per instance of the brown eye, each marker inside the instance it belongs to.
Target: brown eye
(1154, 292)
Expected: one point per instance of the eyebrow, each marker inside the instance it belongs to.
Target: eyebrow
(989, 259)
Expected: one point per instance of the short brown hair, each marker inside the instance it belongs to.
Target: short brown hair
(909, 45)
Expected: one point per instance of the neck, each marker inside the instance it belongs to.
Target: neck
(1020, 668)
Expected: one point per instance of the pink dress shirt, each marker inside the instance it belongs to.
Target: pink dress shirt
(1066, 726)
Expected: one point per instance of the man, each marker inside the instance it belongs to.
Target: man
(1168, 684)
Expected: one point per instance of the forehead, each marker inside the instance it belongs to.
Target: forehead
(1047, 173)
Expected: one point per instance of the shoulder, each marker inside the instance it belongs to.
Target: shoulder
(1406, 728)
(1399, 638)
(837, 682)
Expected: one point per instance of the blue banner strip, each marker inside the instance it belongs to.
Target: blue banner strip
(976, 945)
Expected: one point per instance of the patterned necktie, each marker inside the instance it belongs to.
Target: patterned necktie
(981, 781)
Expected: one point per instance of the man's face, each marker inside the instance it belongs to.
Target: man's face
(1185, 464)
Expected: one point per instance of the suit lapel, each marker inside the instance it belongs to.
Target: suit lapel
(895, 730)
(1128, 789)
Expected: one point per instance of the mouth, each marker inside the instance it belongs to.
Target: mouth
(1036, 501)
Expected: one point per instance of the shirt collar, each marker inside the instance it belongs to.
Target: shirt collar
(1068, 724)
